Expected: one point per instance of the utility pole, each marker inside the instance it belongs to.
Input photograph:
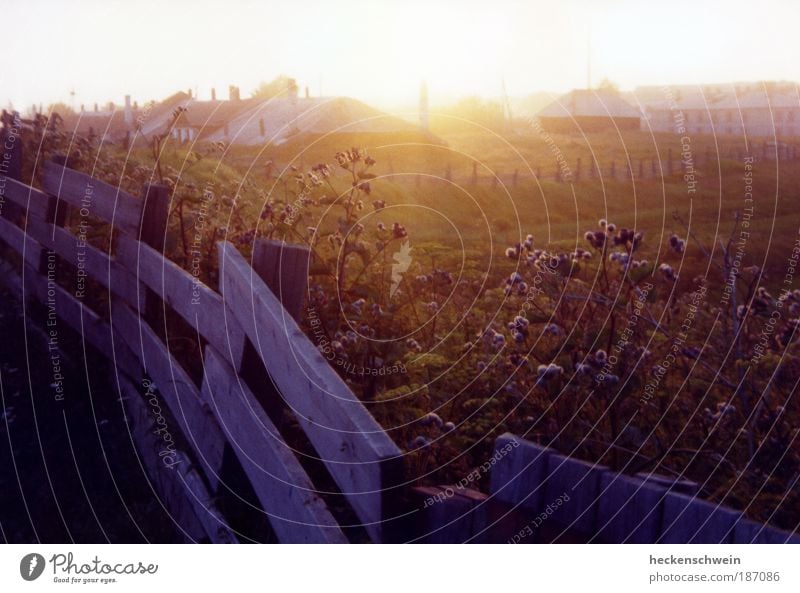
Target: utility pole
(589, 58)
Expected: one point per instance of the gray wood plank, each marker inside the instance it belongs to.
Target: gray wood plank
(629, 510)
(95, 263)
(16, 239)
(199, 305)
(181, 488)
(296, 512)
(194, 419)
(690, 520)
(580, 482)
(349, 441)
(30, 199)
(519, 474)
(102, 200)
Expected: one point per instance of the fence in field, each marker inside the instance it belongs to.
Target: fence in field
(228, 425)
(540, 496)
(588, 168)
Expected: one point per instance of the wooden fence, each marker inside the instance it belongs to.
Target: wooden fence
(540, 496)
(220, 421)
(668, 165)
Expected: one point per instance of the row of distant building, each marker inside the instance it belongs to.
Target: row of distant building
(751, 109)
(754, 109)
(237, 120)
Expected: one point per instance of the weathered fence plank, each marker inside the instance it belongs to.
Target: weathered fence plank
(296, 512)
(91, 327)
(578, 480)
(195, 420)
(629, 510)
(189, 503)
(750, 532)
(690, 520)
(28, 198)
(356, 450)
(614, 508)
(200, 306)
(95, 263)
(102, 200)
(518, 476)
(17, 240)
(454, 518)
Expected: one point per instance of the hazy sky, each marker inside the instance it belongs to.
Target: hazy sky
(379, 51)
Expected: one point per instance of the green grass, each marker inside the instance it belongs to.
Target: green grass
(411, 169)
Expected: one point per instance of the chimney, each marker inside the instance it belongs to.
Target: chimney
(128, 113)
(213, 94)
(233, 93)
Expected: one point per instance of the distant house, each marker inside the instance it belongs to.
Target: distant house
(196, 120)
(757, 110)
(589, 111)
(238, 121)
(107, 126)
(277, 120)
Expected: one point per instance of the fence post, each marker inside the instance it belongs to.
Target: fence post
(11, 136)
(12, 166)
(284, 269)
(155, 211)
(152, 232)
(57, 216)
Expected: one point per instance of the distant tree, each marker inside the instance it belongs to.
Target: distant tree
(280, 85)
(609, 86)
(488, 114)
(61, 109)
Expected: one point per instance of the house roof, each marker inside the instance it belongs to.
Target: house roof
(209, 115)
(205, 116)
(284, 117)
(762, 99)
(719, 97)
(102, 123)
(589, 103)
